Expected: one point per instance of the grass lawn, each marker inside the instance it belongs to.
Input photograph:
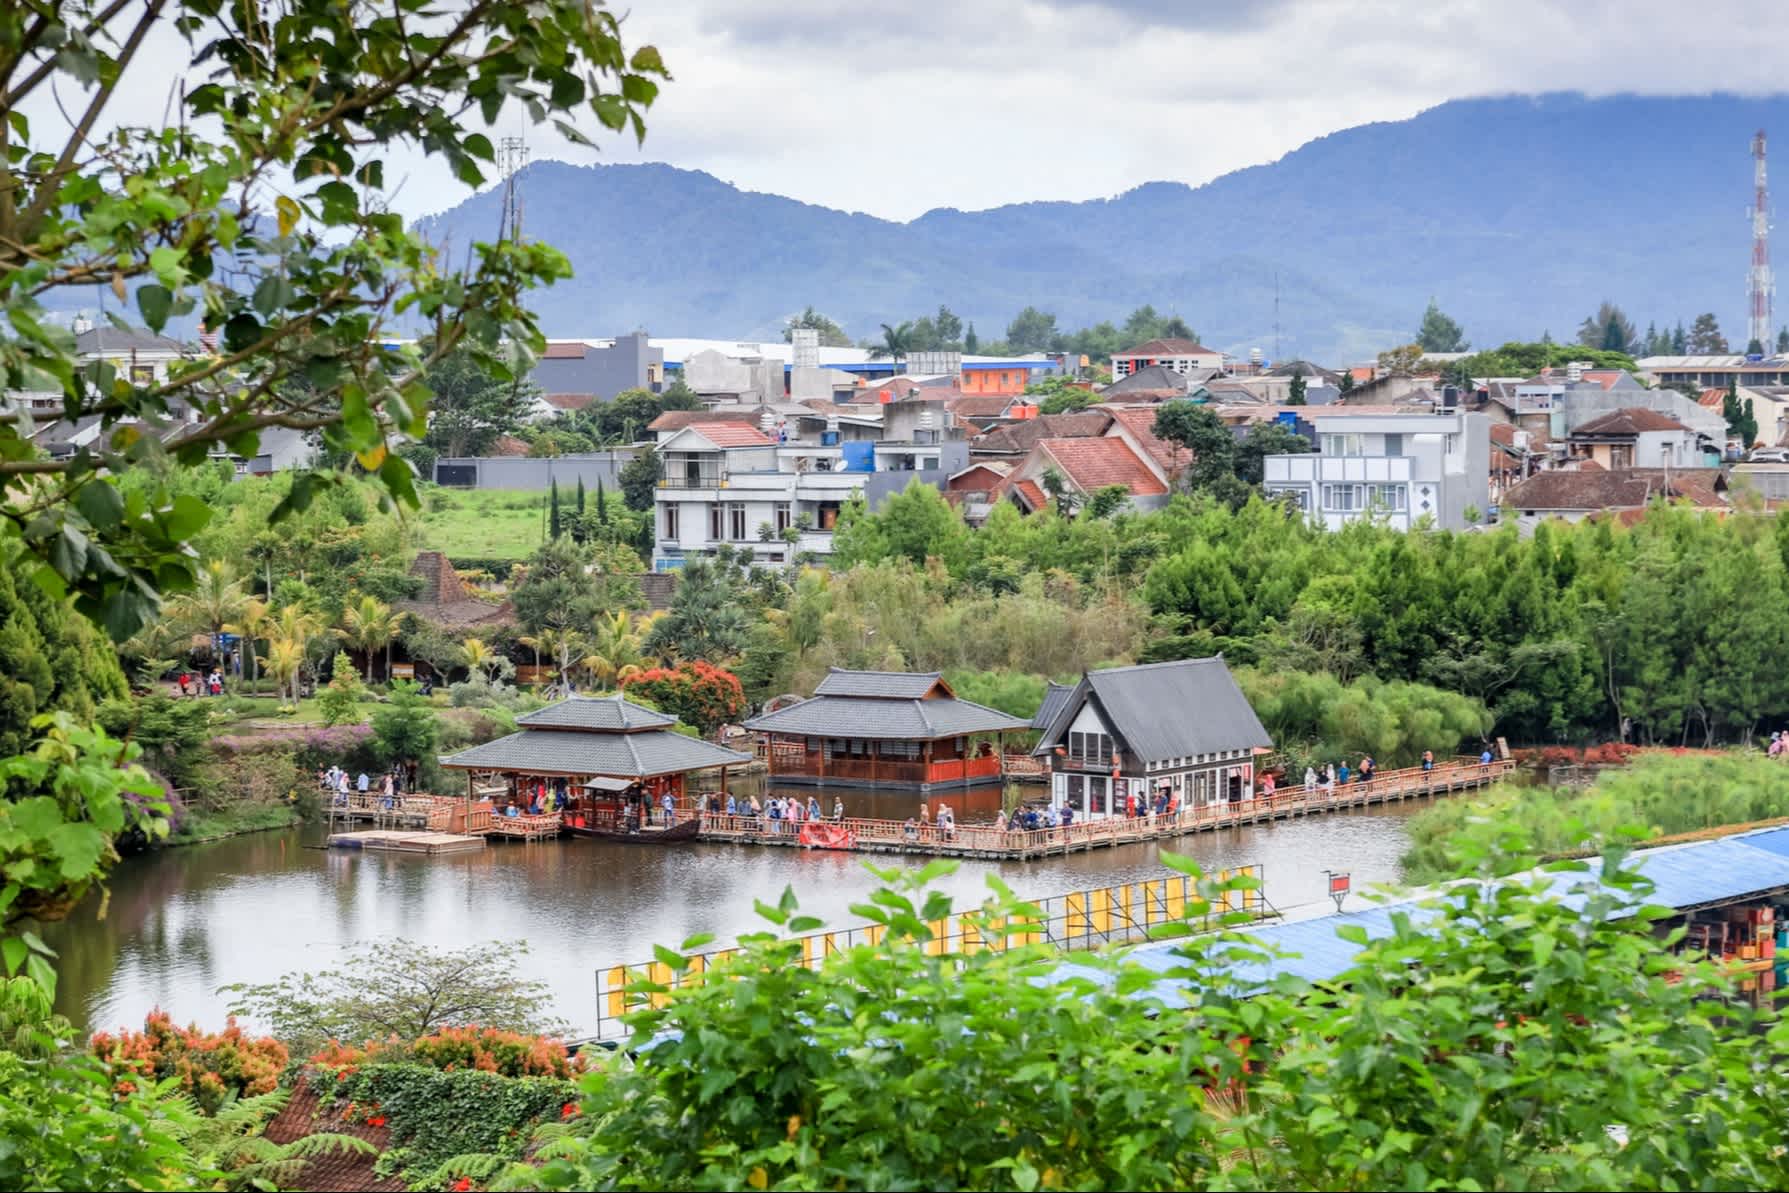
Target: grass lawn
(486, 523)
(264, 710)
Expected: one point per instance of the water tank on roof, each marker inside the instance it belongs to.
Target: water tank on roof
(1753, 358)
(1254, 356)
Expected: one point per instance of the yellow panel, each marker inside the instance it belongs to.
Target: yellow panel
(1101, 904)
(698, 966)
(877, 932)
(659, 974)
(617, 996)
(971, 936)
(1127, 920)
(940, 942)
(829, 944)
(1152, 901)
(1077, 914)
(1176, 897)
(807, 951)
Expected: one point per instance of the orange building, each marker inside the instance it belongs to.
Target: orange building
(999, 377)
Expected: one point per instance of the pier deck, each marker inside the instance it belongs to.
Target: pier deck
(400, 841)
(986, 841)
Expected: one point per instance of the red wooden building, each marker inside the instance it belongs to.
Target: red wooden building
(885, 729)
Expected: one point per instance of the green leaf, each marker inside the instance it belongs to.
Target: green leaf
(155, 302)
(13, 950)
(165, 262)
(100, 503)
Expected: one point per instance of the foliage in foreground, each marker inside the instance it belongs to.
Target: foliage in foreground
(398, 988)
(211, 1068)
(1490, 1041)
(1662, 793)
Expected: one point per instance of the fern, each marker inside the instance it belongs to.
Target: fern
(232, 1141)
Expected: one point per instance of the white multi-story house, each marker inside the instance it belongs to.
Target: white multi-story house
(728, 482)
(1181, 356)
(1399, 466)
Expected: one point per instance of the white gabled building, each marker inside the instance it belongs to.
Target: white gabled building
(1399, 466)
(1180, 356)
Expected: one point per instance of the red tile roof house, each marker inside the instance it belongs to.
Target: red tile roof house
(1086, 466)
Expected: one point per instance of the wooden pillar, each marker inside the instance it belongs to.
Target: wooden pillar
(925, 766)
(723, 782)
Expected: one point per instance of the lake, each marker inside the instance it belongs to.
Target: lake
(183, 922)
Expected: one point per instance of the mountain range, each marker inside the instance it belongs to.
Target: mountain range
(1517, 214)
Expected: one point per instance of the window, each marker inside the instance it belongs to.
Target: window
(1300, 497)
(671, 523)
(142, 374)
(1394, 445)
(1344, 499)
(736, 522)
(1344, 445)
(1390, 498)
(782, 517)
(715, 531)
(1092, 749)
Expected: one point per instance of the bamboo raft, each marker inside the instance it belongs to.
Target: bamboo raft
(986, 841)
(399, 841)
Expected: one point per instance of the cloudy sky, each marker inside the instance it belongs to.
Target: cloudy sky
(896, 108)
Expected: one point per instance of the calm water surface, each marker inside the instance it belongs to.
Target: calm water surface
(185, 921)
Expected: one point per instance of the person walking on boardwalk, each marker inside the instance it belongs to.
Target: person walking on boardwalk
(732, 805)
(670, 807)
(1329, 778)
(838, 808)
(1366, 768)
(1428, 761)
(1310, 780)
(1342, 774)
(385, 787)
(1000, 821)
(1484, 760)
(813, 807)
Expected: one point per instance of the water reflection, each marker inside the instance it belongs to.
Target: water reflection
(186, 921)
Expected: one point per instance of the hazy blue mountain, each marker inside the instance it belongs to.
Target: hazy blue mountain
(1519, 214)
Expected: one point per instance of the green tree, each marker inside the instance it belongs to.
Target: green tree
(339, 702)
(831, 334)
(949, 328)
(1266, 439)
(1346, 385)
(470, 409)
(1402, 361)
(1032, 330)
(1741, 423)
(639, 479)
(1201, 432)
(706, 619)
(1705, 336)
(1295, 389)
(1439, 333)
(554, 528)
(562, 591)
(1754, 347)
(1782, 341)
(1609, 329)
(1107, 500)
(1680, 340)
(401, 989)
(972, 342)
(1064, 496)
(404, 728)
(577, 526)
(50, 658)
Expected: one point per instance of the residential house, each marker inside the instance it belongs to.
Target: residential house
(975, 489)
(1396, 465)
(445, 601)
(1155, 383)
(1275, 384)
(141, 357)
(1183, 727)
(780, 493)
(597, 370)
(1014, 441)
(997, 375)
(1635, 437)
(1182, 356)
(885, 729)
(1587, 490)
(1770, 409)
(1136, 426)
(1083, 467)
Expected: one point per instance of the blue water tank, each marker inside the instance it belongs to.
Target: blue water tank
(829, 439)
(1287, 419)
(859, 455)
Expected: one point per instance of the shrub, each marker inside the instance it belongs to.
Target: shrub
(486, 1049)
(697, 692)
(212, 1066)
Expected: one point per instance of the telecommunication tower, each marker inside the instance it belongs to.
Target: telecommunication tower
(1761, 285)
(512, 155)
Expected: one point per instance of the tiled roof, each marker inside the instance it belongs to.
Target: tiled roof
(1628, 488)
(602, 714)
(733, 434)
(1713, 399)
(980, 405)
(1173, 347)
(1092, 464)
(444, 599)
(1033, 495)
(1151, 380)
(884, 719)
(1020, 437)
(105, 338)
(894, 685)
(1169, 456)
(568, 401)
(1630, 420)
(623, 755)
(575, 350)
(1055, 696)
(332, 1172)
(1165, 710)
(676, 420)
(979, 476)
(509, 445)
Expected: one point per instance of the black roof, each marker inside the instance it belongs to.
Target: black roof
(1165, 710)
(104, 338)
(1055, 696)
(600, 714)
(887, 685)
(620, 755)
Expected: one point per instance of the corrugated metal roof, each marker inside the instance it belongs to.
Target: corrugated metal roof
(625, 755)
(1166, 710)
(896, 685)
(1055, 696)
(602, 714)
(884, 719)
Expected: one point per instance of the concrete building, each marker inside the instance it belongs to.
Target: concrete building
(781, 495)
(599, 369)
(1083, 467)
(1399, 466)
(1636, 438)
(1573, 494)
(1715, 372)
(534, 472)
(1182, 356)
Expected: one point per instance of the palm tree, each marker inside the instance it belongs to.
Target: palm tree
(215, 601)
(561, 646)
(896, 343)
(251, 624)
(368, 625)
(285, 658)
(615, 644)
(478, 657)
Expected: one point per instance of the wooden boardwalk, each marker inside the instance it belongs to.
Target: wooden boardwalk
(400, 841)
(987, 841)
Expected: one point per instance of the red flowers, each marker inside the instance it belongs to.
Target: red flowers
(569, 1110)
(378, 1120)
(210, 1065)
(461, 1185)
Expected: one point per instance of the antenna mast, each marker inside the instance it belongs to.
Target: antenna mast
(1761, 285)
(513, 154)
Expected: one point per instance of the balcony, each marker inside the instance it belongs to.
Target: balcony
(695, 480)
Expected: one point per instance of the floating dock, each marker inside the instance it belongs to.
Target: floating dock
(400, 841)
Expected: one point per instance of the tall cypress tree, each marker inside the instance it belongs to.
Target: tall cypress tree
(577, 527)
(602, 503)
(553, 511)
(971, 344)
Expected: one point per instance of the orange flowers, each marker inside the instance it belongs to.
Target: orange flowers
(485, 1049)
(210, 1065)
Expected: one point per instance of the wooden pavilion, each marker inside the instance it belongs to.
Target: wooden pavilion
(598, 762)
(884, 729)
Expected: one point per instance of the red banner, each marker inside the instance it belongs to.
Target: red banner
(827, 836)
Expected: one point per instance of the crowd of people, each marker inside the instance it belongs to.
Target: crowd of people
(202, 684)
(774, 815)
(338, 785)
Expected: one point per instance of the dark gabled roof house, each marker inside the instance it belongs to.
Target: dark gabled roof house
(1156, 712)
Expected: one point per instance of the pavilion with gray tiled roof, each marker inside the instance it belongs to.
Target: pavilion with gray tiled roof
(884, 729)
(594, 736)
